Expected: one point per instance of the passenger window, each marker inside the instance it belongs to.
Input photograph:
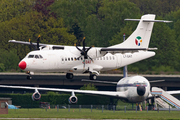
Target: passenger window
(104, 58)
(72, 59)
(81, 58)
(31, 56)
(68, 59)
(107, 57)
(113, 57)
(65, 59)
(101, 58)
(62, 59)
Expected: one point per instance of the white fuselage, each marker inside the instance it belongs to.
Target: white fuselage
(65, 60)
(130, 85)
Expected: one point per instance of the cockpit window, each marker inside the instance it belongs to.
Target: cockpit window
(36, 56)
(40, 56)
(31, 56)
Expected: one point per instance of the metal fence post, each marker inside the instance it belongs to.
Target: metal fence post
(147, 109)
(113, 108)
(125, 109)
(57, 108)
(91, 108)
(102, 108)
(69, 108)
(79, 108)
(169, 108)
(136, 108)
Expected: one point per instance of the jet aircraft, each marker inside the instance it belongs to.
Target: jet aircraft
(76, 59)
(133, 89)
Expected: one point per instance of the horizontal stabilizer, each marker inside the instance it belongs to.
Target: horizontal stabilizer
(98, 81)
(148, 20)
(153, 81)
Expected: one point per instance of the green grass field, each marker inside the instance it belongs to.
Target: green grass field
(87, 114)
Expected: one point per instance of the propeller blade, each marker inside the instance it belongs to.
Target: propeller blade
(78, 48)
(90, 58)
(84, 44)
(38, 40)
(32, 45)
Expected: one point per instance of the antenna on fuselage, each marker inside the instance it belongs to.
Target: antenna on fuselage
(125, 67)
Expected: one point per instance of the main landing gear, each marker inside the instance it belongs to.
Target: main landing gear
(93, 76)
(69, 76)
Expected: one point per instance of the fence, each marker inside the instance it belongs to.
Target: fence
(102, 108)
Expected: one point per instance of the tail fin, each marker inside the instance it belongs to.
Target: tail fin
(141, 36)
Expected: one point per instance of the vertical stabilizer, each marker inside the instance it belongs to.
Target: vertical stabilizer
(141, 36)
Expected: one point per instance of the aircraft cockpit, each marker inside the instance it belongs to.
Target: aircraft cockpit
(35, 56)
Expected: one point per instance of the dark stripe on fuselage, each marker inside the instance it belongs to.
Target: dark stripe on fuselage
(131, 85)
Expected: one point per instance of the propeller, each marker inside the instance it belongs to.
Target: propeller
(38, 40)
(84, 52)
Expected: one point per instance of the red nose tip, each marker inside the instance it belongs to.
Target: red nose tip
(22, 65)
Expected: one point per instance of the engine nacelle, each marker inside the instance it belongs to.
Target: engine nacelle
(36, 96)
(95, 53)
(73, 99)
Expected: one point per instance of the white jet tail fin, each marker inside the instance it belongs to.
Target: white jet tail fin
(140, 38)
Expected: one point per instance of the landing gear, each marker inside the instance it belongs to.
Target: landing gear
(69, 76)
(92, 77)
(29, 77)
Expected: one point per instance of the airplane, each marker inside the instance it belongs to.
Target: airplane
(134, 89)
(76, 59)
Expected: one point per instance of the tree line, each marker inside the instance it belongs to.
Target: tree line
(66, 22)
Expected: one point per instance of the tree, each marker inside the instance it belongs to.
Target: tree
(88, 87)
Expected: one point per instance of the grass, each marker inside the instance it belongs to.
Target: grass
(87, 114)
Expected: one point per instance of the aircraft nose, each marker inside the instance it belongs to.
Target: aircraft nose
(141, 90)
(22, 65)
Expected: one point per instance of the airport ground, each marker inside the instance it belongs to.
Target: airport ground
(88, 114)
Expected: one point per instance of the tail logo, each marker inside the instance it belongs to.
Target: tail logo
(138, 40)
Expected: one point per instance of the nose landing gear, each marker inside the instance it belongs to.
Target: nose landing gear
(29, 77)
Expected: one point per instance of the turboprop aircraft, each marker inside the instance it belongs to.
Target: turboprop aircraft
(133, 89)
(75, 59)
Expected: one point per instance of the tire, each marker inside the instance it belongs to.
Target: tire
(69, 76)
(93, 77)
(29, 77)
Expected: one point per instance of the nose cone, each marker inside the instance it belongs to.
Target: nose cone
(141, 90)
(22, 65)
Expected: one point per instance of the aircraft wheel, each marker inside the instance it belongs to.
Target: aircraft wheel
(69, 76)
(29, 77)
(92, 77)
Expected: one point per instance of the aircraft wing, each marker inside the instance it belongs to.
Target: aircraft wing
(103, 93)
(122, 50)
(35, 44)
